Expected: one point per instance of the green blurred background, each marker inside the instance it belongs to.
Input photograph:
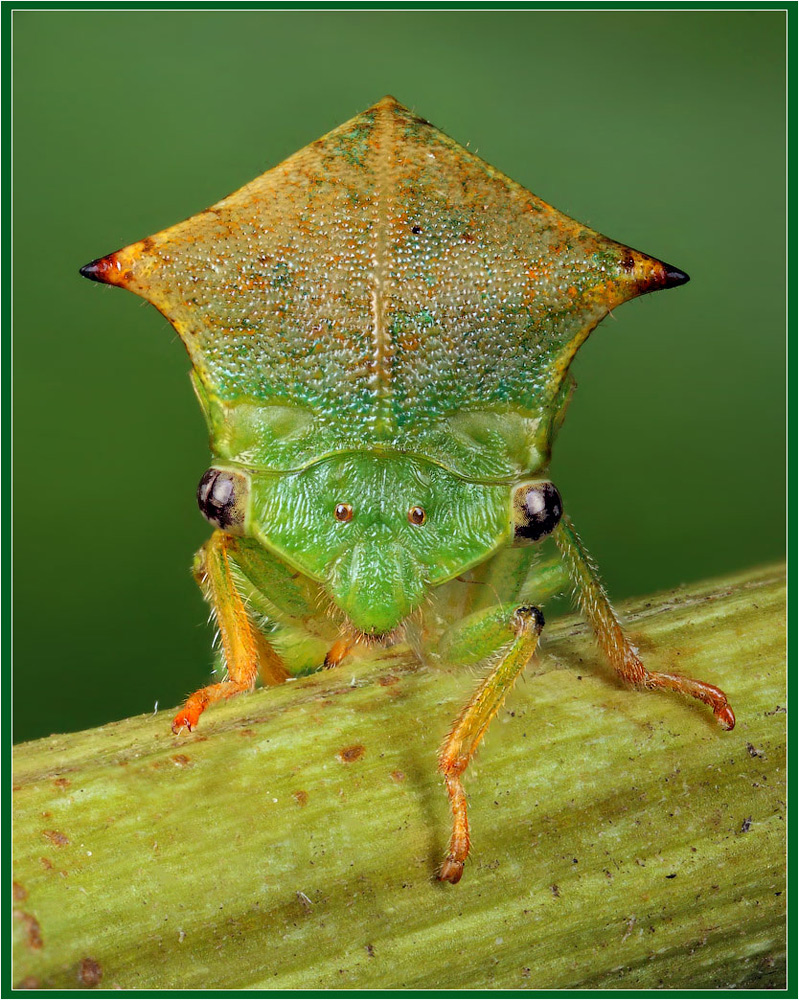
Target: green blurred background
(664, 130)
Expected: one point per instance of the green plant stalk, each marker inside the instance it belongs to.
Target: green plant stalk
(621, 839)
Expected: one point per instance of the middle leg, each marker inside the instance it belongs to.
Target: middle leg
(522, 626)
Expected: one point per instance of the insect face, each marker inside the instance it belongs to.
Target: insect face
(377, 531)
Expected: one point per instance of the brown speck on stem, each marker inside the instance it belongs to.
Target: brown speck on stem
(55, 837)
(349, 754)
(33, 930)
(20, 892)
(90, 972)
(181, 760)
(398, 776)
(300, 797)
(62, 782)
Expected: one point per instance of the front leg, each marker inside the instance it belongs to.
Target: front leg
(241, 643)
(621, 653)
(472, 640)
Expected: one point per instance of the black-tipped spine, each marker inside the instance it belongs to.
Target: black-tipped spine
(674, 276)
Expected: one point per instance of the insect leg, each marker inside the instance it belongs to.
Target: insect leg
(244, 649)
(340, 649)
(523, 627)
(621, 653)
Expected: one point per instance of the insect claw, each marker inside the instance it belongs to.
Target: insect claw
(726, 716)
(451, 871)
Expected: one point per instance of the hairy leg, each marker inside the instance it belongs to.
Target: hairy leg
(621, 653)
(243, 647)
(340, 649)
(477, 637)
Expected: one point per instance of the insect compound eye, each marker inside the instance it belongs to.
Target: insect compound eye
(537, 508)
(343, 512)
(221, 498)
(416, 515)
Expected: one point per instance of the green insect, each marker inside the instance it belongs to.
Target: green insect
(381, 330)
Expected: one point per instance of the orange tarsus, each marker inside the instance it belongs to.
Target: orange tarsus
(337, 652)
(452, 867)
(712, 696)
(185, 719)
(189, 716)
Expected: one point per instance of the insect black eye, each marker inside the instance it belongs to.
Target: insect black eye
(537, 508)
(221, 498)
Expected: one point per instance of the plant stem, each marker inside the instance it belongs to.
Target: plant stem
(621, 839)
